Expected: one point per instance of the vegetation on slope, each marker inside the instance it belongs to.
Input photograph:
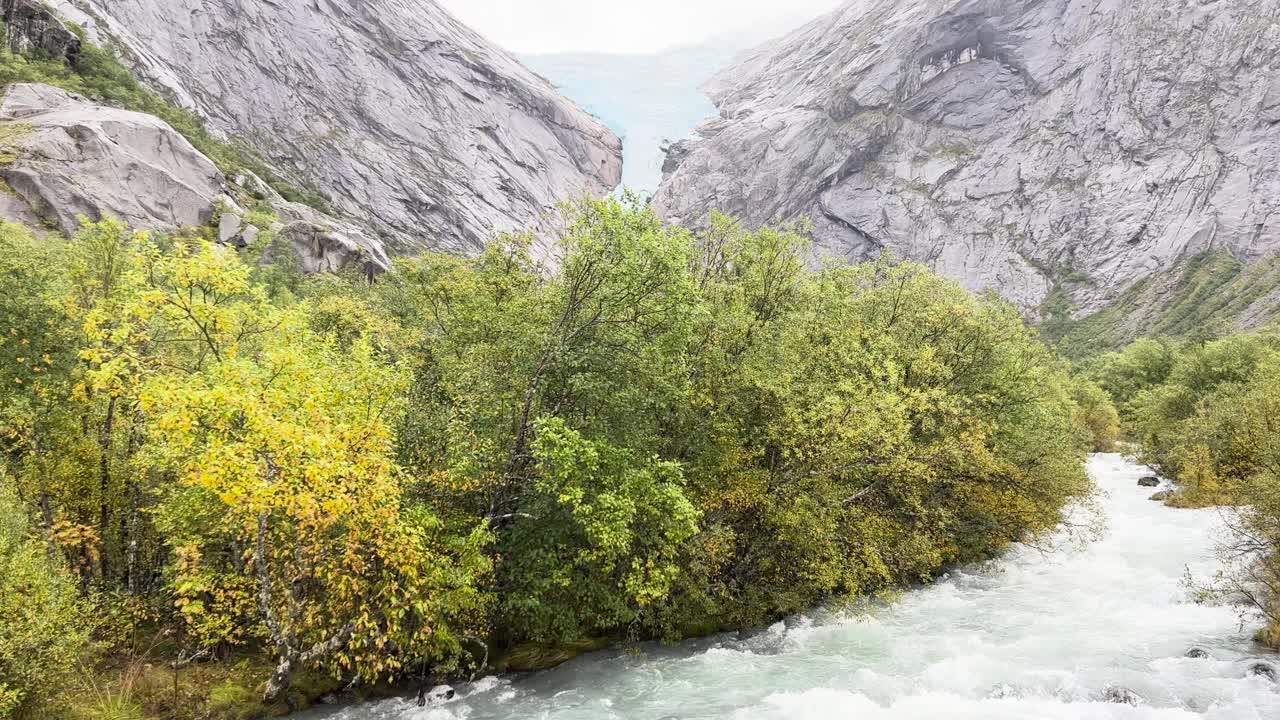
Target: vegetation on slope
(99, 75)
(1207, 297)
(251, 480)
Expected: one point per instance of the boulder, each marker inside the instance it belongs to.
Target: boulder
(1122, 695)
(325, 244)
(1149, 481)
(1198, 653)
(437, 695)
(64, 157)
(229, 226)
(31, 28)
(1264, 670)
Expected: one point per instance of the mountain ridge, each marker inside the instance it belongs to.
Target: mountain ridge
(1031, 147)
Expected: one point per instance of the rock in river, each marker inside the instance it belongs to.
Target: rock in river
(1122, 695)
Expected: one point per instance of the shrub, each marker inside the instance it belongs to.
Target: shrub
(44, 626)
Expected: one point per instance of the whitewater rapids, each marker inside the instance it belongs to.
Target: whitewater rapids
(1036, 635)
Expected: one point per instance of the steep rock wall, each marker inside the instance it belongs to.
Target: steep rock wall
(398, 115)
(1037, 147)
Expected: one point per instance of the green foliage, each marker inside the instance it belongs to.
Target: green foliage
(44, 624)
(1207, 416)
(1138, 367)
(1201, 300)
(658, 434)
(794, 435)
(1096, 415)
(599, 539)
(1169, 417)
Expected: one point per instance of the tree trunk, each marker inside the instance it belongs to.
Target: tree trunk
(280, 677)
(104, 486)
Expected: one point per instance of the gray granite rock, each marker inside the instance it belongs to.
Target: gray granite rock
(1010, 144)
(325, 244)
(67, 157)
(1122, 696)
(229, 226)
(401, 117)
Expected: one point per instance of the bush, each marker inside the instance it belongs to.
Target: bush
(44, 626)
(1208, 419)
(1096, 416)
(663, 434)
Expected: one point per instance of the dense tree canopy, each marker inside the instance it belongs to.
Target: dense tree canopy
(655, 433)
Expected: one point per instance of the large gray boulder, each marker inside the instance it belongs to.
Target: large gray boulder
(324, 244)
(65, 157)
(1020, 145)
(400, 116)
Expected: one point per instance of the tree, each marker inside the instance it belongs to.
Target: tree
(285, 517)
(44, 624)
(1096, 415)
(598, 541)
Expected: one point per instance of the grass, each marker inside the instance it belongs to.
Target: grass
(11, 134)
(149, 688)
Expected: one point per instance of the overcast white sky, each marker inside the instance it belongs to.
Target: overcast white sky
(618, 26)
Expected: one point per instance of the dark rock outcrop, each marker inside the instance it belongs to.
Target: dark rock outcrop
(1198, 653)
(31, 28)
(1023, 146)
(1264, 670)
(402, 118)
(1149, 481)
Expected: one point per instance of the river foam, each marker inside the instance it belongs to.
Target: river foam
(1035, 635)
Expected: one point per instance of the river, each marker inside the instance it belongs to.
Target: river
(1035, 635)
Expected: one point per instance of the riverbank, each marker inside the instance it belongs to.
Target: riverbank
(1034, 634)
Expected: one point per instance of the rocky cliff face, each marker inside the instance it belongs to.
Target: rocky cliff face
(64, 157)
(1030, 146)
(398, 115)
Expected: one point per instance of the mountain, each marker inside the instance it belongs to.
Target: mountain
(397, 115)
(653, 99)
(1070, 154)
